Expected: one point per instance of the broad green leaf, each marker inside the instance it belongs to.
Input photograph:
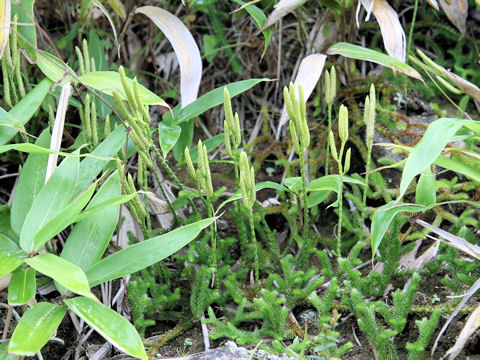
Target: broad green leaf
(27, 37)
(208, 101)
(91, 167)
(459, 166)
(426, 193)
(32, 179)
(62, 271)
(139, 256)
(106, 81)
(113, 201)
(34, 149)
(23, 110)
(11, 256)
(4, 352)
(22, 287)
(384, 216)
(35, 328)
(54, 68)
(185, 140)
(361, 53)
(259, 16)
(294, 184)
(258, 186)
(89, 238)
(118, 7)
(328, 183)
(438, 134)
(63, 219)
(185, 48)
(5, 13)
(50, 201)
(108, 323)
(168, 136)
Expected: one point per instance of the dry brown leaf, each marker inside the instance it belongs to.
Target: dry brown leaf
(185, 48)
(4, 24)
(466, 86)
(472, 324)
(5, 281)
(308, 75)
(392, 32)
(128, 225)
(159, 208)
(473, 289)
(434, 4)
(57, 131)
(454, 241)
(456, 11)
(282, 9)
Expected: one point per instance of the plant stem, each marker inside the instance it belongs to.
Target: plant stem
(340, 202)
(173, 176)
(306, 219)
(367, 168)
(255, 248)
(327, 151)
(7, 322)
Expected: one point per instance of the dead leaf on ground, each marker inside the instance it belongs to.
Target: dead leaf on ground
(453, 240)
(392, 32)
(185, 48)
(434, 4)
(282, 9)
(472, 324)
(456, 11)
(308, 75)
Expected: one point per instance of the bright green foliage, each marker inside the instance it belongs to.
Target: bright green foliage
(426, 327)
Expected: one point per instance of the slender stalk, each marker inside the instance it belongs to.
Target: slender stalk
(174, 177)
(340, 202)
(164, 193)
(306, 219)
(367, 175)
(327, 153)
(7, 322)
(255, 247)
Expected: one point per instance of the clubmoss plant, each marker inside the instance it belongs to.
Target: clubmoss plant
(13, 86)
(300, 135)
(247, 186)
(369, 119)
(343, 165)
(330, 86)
(233, 135)
(203, 178)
